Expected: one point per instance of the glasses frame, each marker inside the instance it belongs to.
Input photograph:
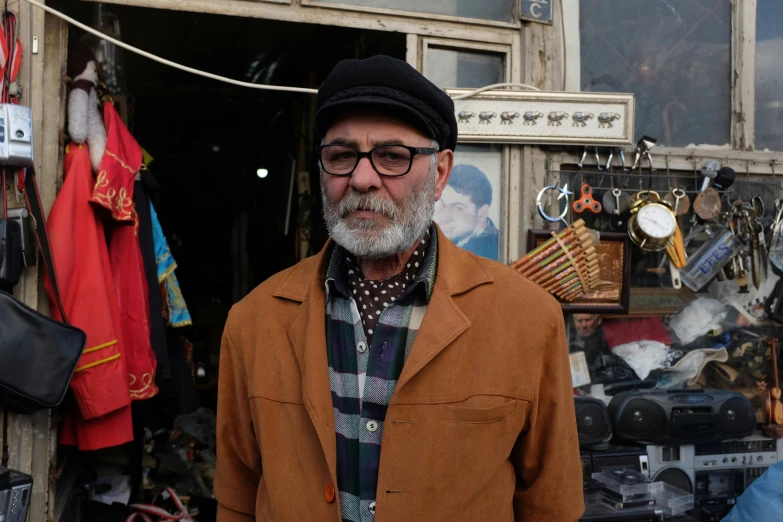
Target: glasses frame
(415, 151)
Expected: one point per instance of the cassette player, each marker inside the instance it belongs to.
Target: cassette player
(16, 135)
(16, 489)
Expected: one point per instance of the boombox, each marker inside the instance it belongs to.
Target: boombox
(716, 473)
(681, 416)
(592, 422)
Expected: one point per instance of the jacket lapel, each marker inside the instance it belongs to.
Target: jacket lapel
(307, 333)
(443, 322)
(458, 272)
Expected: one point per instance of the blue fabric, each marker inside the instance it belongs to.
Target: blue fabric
(177, 311)
(763, 500)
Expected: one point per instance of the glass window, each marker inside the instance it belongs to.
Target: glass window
(769, 75)
(471, 206)
(451, 68)
(674, 56)
(498, 10)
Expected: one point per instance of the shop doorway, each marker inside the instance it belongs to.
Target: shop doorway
(230, 163)
(224, 155)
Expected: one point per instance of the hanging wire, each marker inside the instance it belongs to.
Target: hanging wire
(164, 61)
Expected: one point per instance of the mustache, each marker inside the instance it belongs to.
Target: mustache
(374, 202)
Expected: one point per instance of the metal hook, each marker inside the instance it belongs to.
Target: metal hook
(598, 160)
(582, 161)
(619, 151)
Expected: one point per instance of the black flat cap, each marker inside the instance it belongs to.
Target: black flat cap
(383, 81)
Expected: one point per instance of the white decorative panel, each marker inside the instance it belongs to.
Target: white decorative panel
(539, 117)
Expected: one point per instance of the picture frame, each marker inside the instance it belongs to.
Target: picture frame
(476, 195)
(614, 253)
(544, 117)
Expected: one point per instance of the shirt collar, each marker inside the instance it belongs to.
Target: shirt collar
(337, 271)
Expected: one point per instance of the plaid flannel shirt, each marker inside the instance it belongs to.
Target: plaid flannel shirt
(363, 378)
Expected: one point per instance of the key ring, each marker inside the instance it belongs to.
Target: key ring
(564, 193)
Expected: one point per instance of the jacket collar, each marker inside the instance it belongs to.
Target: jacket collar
(458, 272)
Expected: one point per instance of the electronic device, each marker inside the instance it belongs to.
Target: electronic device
(681, 416)
(592, 422)
(613, 457)
(16, 135)
(10, 253)
(716, 473)
(28, 243)
(15, 491)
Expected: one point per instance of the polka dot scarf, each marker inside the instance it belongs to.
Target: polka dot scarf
(372, 297)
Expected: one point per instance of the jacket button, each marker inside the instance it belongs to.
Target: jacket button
(329, 493)
(372, 426)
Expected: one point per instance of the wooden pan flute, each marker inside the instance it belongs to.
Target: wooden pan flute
(566, 265)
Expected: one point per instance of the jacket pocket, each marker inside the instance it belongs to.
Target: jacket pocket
(454, 413)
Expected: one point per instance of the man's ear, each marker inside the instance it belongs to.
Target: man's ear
(445, 164)
(483, 211)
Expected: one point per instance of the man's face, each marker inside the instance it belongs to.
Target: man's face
(587, 324)
(458, 216)
(375, 216)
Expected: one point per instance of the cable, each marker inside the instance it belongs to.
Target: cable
(165, 61)
(5, 456)
(562, 33)
(488, 87)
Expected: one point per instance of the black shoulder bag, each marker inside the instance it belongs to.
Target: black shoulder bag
(38, 355)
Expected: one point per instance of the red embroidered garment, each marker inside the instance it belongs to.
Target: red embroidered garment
(114, 191)
(101, 415)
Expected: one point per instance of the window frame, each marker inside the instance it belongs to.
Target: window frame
(743, 76)
(357, 17)
(510, 185)
(516, 24)
(467, 46)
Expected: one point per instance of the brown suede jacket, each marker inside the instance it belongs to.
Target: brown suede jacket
(481, 426)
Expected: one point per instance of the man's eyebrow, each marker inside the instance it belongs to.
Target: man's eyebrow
(353, 143)
(381, 143)
(341, 141)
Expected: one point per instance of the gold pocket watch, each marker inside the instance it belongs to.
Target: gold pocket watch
(652, 223)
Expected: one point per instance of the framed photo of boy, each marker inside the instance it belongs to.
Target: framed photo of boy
(614, 260)
(470, 210)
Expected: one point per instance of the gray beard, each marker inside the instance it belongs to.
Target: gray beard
(374, 239)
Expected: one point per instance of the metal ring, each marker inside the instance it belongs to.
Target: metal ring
(564, 192)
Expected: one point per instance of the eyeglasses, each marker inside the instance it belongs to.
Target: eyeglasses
(387, 160)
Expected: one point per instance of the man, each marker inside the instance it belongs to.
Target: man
(394, 376)
(604, 366)
(587, 325)
(463, 212)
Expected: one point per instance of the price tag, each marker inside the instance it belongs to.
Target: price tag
(580, 375)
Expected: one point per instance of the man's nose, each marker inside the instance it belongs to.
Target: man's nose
(364, 177)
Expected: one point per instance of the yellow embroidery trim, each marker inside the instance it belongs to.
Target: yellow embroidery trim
(96, 363)
(165, 275)
(182, 323)
(100, 347)
(148, 388)
(119, 160)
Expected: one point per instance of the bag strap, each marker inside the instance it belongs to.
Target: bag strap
(5, 201)
(35, 207)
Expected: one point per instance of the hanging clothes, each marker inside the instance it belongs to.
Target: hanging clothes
(100, 414)
(157, 325)
(176, 310)
(114, 190)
